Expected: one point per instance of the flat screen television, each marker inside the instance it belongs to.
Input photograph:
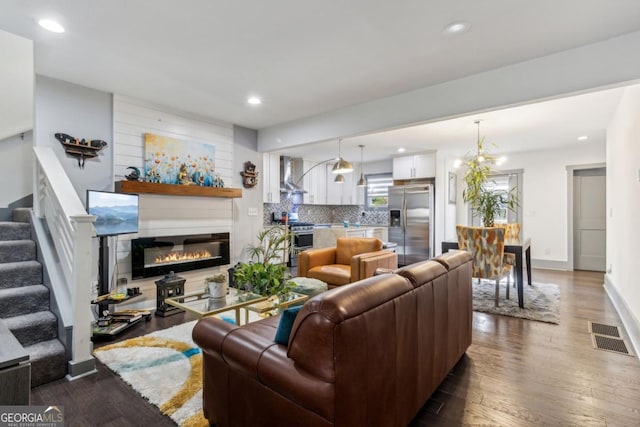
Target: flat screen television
(117, 213)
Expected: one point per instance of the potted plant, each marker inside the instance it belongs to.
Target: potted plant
(266, 274)
(216, 285)
(485, 201)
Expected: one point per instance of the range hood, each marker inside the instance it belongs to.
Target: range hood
(291, 172)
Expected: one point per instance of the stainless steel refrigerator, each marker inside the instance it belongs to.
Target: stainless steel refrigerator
(411, 221)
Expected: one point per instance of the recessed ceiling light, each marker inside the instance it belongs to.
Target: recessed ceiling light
(51, 25)
(254, 100)
(457, 28)
(583, 137)
(401, 150)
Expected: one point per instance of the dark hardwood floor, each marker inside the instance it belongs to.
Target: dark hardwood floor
(516, 373)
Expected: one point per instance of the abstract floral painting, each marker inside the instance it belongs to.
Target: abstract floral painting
(164, 157)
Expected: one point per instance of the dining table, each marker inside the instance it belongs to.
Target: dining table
(518, 247)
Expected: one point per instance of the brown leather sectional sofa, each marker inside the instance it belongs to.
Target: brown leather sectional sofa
(368, 353)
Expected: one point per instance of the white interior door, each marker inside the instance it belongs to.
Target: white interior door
(589, 219)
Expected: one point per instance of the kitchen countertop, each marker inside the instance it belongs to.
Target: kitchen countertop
(327, 236)
(338, 225)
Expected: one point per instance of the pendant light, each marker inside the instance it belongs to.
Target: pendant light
(339, 179)
(341, 166)
(361, 182)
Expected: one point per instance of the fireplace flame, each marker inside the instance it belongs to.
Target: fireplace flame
(183, 256)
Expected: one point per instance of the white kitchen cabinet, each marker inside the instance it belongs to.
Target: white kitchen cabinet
(377, 232)
(341, 194)
(334, 191)
(416, 166)
(355, 232)
(348, 196)
(270, 178)
(314, 183)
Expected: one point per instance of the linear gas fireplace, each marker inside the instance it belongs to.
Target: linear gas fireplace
(157, 256)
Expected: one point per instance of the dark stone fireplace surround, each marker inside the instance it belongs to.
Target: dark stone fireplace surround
(145, 250)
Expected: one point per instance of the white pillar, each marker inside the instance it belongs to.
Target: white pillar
(82, 362)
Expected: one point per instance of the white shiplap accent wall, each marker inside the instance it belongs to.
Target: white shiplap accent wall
(169, 215)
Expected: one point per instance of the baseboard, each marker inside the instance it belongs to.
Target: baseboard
(549, 264)
(76, 370)
(629, 321)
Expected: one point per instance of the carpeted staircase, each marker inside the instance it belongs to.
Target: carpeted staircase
(24, 301)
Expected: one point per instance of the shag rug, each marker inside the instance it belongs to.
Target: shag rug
(165, 367)
(541, 301)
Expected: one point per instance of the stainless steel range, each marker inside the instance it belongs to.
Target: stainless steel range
(301, 239)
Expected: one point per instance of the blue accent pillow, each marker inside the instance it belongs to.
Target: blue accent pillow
(285, 325)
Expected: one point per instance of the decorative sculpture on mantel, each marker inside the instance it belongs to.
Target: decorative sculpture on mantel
(134, 175)
(183, 176)
(80, 148)
(249, 175)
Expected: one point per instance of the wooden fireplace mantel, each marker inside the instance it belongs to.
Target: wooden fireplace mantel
(176, 189)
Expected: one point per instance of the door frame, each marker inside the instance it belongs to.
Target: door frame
(570, 194)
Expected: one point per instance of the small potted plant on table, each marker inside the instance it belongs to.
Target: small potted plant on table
(216, 285)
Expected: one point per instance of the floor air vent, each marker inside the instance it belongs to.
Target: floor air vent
(600, 329)
(615, 345)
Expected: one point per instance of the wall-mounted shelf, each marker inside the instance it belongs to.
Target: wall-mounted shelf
(176, 189)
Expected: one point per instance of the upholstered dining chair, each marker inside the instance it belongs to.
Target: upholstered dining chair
(486, 245)
(511, 230)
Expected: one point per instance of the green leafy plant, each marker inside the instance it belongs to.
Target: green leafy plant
(264, 275)
(485, 201)
(217, 278)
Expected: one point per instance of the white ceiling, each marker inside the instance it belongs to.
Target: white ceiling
(305, 58)
(540, 126)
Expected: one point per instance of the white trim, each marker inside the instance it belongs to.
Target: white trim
(631, 324)
(548, 264)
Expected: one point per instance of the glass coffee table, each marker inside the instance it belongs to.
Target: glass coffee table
(272, 305)
(201, 304)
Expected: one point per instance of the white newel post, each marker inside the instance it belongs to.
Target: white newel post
(81, 356)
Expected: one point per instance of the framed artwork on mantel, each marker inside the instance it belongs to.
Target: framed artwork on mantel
(453, 188)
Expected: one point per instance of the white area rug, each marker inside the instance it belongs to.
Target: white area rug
(165, 367)
(541, 301)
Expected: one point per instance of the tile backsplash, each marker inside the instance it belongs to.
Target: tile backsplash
(326, 214)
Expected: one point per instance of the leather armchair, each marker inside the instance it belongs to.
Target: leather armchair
(352, 259)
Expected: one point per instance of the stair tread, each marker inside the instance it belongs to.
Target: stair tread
(15, 264)
(23, 290)
(10, 230)
(15, 223)
(44, 349)
(17, 242)
(17, 251)
(25, 320)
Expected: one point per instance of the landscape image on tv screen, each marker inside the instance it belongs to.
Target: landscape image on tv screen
(116, 213)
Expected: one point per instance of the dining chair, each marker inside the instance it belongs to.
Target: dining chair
(486, 245)
(511, 230)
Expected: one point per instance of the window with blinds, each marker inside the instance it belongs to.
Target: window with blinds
(377, 190)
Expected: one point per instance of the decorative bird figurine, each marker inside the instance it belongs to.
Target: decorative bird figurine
(134, 175)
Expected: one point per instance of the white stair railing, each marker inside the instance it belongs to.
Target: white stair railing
(55, 200)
